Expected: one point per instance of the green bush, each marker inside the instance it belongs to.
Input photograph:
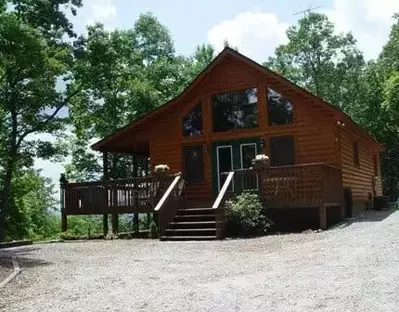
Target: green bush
(246, 216)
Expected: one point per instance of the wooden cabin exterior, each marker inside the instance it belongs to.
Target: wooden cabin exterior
(236, 109)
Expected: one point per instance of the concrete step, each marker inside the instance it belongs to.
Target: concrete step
(188, 238)
(192, 224)
(194, 217)
(191, 211)
(191, 232)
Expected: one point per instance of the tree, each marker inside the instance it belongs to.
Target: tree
(389, 57)
(321, 61)
(196, 63)
(124, 75)
(33, 214)
(33, 59)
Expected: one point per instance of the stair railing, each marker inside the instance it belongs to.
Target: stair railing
(218, 205)
(168, 205)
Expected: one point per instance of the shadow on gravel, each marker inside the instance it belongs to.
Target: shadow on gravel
(366, 216)
(25, 257)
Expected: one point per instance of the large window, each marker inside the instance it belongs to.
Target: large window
(193, 157)
(280, 109)
(282, 151)
(192, 122)
(235, 110)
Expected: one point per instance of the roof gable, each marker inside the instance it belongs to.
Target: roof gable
(227, 53)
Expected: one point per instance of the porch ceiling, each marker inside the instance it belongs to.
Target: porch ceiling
(127, 147)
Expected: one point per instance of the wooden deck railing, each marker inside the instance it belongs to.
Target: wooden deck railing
(169, 204)
(289, 186)
(114, 196)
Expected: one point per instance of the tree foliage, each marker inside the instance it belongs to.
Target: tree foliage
(124, 74)
(315, 57)
(33, 57)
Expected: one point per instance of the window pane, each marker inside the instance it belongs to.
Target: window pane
(248, 152)
(235, 110)
(280, 109)
(192, 123)
(282, 151)
(225, 163)
(193, 157)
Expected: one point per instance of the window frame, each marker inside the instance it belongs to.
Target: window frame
(267, 108)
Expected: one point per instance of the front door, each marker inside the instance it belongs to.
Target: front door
(231, 155)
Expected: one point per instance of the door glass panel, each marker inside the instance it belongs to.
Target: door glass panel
(248, 181)
(225, 163)
(248, 152)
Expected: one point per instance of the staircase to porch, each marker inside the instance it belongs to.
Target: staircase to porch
(192, 224)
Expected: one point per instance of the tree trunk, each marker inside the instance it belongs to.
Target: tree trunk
(5, 194)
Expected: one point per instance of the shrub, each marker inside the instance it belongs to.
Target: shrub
(153, 230)
(246, 216)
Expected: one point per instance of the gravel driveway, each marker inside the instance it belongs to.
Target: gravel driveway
(354, 267)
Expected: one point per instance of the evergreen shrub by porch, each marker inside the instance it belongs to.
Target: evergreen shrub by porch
(246, 216)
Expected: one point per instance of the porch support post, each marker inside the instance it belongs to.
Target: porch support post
(135, 175)
(105, 177)
(64, 218)
(323, 217)
(115, 223)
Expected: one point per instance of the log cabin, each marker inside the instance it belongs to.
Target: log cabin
(323, 166)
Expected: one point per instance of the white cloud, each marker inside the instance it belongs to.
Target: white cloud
(255, 34)
(369, 20)
(103, 11)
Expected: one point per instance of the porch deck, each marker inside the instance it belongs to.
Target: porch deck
(304, 185)
(300, 186)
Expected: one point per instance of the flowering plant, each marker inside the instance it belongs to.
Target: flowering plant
(261, 157)
(260, 162)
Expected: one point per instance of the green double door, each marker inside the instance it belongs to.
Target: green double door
(232, 155)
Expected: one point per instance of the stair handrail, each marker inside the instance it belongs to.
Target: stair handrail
(222, 194)
(218, 206)
(165, 215)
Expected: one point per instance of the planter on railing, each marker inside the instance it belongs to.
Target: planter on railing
(260, 163)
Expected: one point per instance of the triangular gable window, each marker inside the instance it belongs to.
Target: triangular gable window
(280, 109)
(192, 122)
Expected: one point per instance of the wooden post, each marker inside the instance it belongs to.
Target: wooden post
(115, 223)
(64, 218)
(105, 225)
(323, 217)
(135, 175)
(105, 177)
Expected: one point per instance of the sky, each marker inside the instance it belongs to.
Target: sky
(255, 27)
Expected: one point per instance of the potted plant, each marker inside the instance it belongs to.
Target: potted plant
(260, 162)
(161, 170)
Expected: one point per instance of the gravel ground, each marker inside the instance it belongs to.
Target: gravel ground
(354, 267)
(6, 267)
